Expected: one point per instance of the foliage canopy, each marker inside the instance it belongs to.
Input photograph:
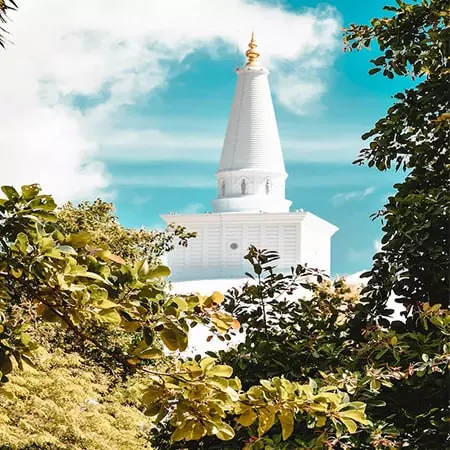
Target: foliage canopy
(49, 276)
(414, 135)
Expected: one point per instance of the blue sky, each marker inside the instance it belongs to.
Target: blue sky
(198, 101)
(132, 105)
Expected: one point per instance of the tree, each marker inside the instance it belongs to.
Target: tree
(99, 221)
(48, 276)
(414, 135)
(399, 376)
(5, 7)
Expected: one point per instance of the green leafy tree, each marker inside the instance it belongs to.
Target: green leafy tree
(48, 276)
(98, 219)
(396, 378)
(413, 264)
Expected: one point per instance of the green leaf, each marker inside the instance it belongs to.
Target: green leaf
(22, 242)
(105, 304)
(247, 418)
(350, 425)
(66, 249)
(266, 419)
(286, 419)
(225, 432)
(158, 272)
(220, 371)
(153, 353)
(30, 191)
(5, 364)
(174, 339)
(356, 414)
(10, 192)
(374, 70)
(110, 316)
(151, 394)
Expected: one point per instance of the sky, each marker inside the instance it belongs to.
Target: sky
(100, 99)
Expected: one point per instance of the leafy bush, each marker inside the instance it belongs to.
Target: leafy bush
(64, 403)
(397, 374)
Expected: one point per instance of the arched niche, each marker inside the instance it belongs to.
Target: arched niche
(244, 186)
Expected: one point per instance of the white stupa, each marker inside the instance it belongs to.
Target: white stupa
(251, 207)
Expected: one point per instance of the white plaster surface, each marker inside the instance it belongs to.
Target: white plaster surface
(251, 174)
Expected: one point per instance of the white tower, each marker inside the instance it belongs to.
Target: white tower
(250, 208)
(251, 175)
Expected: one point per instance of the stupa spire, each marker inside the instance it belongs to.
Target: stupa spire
(251, 53)
(251, 175)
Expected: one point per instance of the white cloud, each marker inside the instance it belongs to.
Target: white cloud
(343, 197)
(357, 256)
(110, 54)
(297, 93)
(193, 208)
(155, 145)
(165, 181)
(139, 200)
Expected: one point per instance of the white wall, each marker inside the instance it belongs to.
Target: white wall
(316, 247)
(219, 249)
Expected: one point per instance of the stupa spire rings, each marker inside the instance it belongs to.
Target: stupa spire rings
(251, 53)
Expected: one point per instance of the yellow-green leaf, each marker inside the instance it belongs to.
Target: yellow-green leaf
(30, 191)
(10, 192)
(286, 419)
(321, 421)
(16, 273)
(217, 297)
(180, 302)
(110, 316)
(198, 432)
(66, 249)
(266, 419)
(207, 362)
(174, 339)
(222, 321)
(152, 353)
(151, 394)
(158, 272)
(247, 418)
(220, 371)
(355, 414)
(105, 304)
(184, 431)
(21, 242)
(131, 327)
(225, 432)
(350, 425)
